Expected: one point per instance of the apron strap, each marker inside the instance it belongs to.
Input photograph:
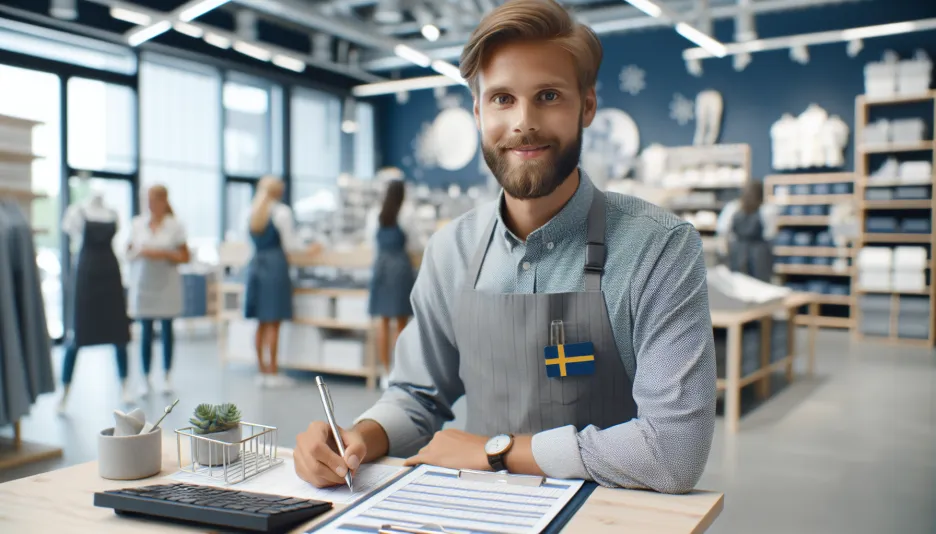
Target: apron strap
(474, 268)
(595, 251)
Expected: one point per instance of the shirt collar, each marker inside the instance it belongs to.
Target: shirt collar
(569, 222)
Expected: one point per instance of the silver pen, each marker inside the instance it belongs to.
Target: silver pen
(330, 414)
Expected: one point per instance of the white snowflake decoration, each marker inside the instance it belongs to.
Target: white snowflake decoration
(682, 110)
(633, 79)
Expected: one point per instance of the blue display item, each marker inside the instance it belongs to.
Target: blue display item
(573, 359)
(801, 189)
(840, 289)
(796, 286)
(821, 189)
(819, 260)
(817, 210)
(879, 193)
(797, 211)
(843, 188)
(817, 286)
(798, 260)
(781, 260)
(785, 211)
(915, 226)
(803, 239)
(912, 193)
(825, 239)
(887, 225)
(784, 238)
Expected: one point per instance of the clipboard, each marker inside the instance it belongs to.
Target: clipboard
(554, 527)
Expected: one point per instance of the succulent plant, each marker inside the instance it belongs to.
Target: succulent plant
(211, 418)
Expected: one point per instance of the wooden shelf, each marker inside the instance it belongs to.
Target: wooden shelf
(896, 147)
(810, 200)
(824, 252)
(334, 324)
(891, 292)
(821, 321)
(20, 194)
(898, 204)
(331, 291)
(843, 300)
(817, 270)
(871, 237)
(13, 454)
(815, 178)
(804, 220)
(865, 101)
(8, 153)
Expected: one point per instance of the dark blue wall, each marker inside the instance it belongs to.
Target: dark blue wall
(754, 98)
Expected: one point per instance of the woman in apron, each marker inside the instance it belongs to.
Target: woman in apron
(750, 230)
(393, 277)
(268, 295)
(157, 247)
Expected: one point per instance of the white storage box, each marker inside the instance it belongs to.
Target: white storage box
(300, 345)
(877, 132)
(916, 172)
(875, 258)
(907, 130)
(909, 258)
(344, 354)
(875, 279)
(312, 306)
(909, 280)
(914, 75)
(881, 77)
(240, 341)
(351, 309)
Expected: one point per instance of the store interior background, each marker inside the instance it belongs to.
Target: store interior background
(850, 450)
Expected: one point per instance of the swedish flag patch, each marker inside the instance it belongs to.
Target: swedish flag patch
(574, 359)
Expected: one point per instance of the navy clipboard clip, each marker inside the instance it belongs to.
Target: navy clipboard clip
(500, 477)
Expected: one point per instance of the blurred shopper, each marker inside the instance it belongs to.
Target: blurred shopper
(269, 290)
(745, 229)
(157, 246)
(393, 276)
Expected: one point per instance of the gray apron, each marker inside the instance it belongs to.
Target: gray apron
(155, 289)
(749, 252)
(501, 337)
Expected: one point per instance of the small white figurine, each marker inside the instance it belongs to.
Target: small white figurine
(783, 138)
(709, 106)
(833, 137)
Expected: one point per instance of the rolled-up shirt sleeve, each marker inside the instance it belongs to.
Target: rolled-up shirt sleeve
(425, 382)
(666, 447)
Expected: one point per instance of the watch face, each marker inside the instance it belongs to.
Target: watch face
(497, 444)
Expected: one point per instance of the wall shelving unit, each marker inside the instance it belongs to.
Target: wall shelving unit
(897, 316)
(814, 264)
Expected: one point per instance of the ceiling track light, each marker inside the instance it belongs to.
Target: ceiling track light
(252, 50)
(188, 29)
(145, 33)
(64, 9)
(200, 8)
(131, 16)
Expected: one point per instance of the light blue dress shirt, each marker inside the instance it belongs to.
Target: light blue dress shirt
(655, 289)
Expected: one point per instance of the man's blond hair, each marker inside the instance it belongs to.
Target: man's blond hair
(532, 20)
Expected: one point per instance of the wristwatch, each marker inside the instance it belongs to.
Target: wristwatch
(496, 448)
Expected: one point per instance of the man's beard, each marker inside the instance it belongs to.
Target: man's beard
(534, 178)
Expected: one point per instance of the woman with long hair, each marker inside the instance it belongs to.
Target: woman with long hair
(749, 226)
(269, 291)
(157, 247)
(393, 277)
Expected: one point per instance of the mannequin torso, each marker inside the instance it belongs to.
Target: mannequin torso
(94, 209)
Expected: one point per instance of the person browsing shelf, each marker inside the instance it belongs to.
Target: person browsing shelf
(269, 292)
(574, 322)
(745, 229)
(157, 246)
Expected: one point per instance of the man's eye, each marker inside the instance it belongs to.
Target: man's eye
(550, 96)
(502, 100)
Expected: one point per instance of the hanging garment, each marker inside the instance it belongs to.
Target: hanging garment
(268, 295)
(709, 107)
(486, 323)
(99, 314)
(155, 285)
(393, 277)
(748, 251)
(25, 347)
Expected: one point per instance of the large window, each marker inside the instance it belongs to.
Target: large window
(316, 144)
(364, 147)
(252, 125)
(180, 144)
(101, 126)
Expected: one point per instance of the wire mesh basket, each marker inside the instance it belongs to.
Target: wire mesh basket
(229, 456)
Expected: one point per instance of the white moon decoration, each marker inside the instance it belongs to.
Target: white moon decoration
(610, 146)
(454, 138)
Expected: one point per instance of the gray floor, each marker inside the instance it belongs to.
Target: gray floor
(852, 450)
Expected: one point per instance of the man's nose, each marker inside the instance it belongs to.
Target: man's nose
(527, 119)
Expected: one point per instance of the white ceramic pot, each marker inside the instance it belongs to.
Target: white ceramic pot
(129, 457)
(207, 453)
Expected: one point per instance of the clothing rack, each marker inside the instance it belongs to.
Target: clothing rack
(16, 158)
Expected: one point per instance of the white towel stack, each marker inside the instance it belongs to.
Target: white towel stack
(909, 272)
(875, 265)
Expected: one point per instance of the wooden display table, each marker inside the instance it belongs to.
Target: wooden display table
(733, 319)
(62, 501)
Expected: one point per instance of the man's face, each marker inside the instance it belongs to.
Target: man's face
(531, 113)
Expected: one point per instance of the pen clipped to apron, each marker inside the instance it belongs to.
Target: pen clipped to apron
(574, 359)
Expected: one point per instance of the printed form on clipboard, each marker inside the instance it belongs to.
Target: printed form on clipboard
(432, 499)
